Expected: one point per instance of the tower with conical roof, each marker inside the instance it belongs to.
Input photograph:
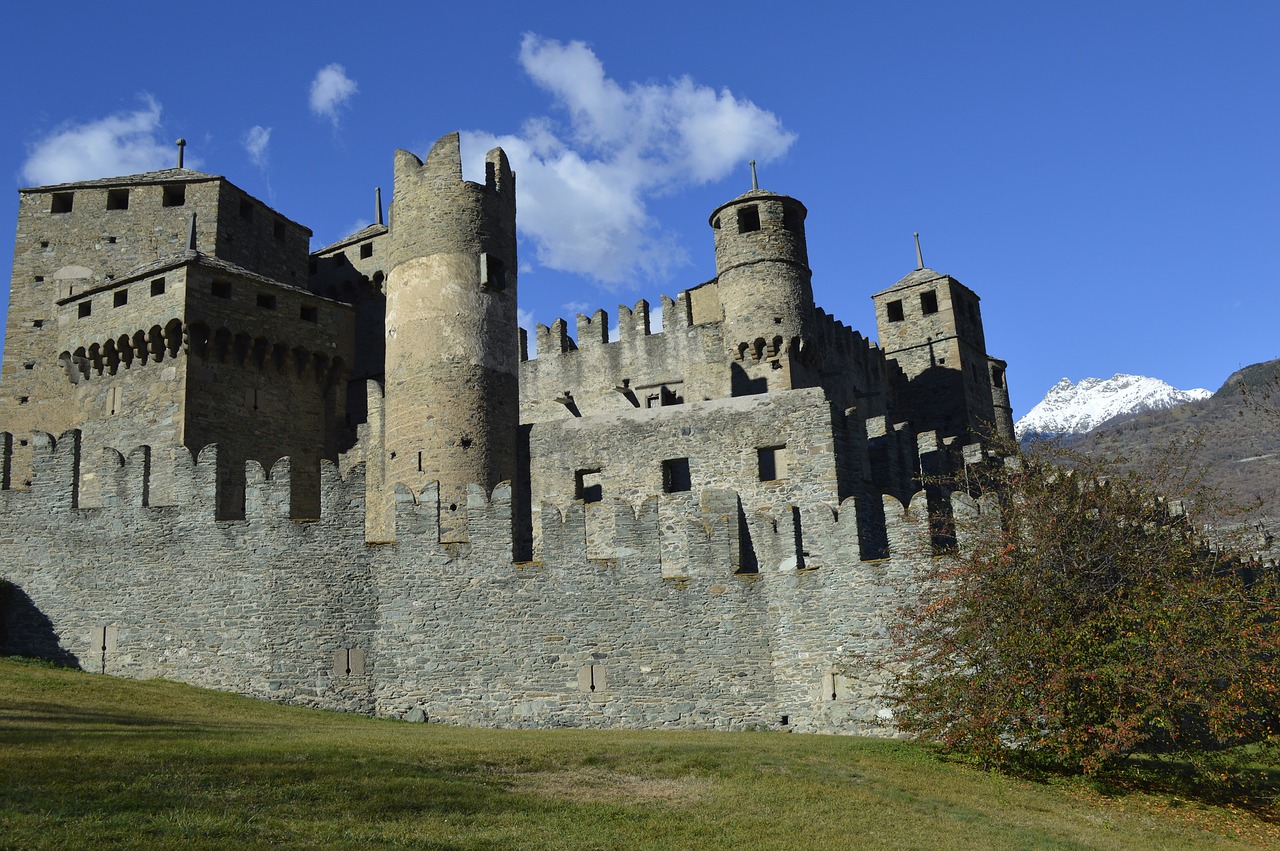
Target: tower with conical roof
(762, 273)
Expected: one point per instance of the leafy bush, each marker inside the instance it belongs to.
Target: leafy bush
(1089, 623)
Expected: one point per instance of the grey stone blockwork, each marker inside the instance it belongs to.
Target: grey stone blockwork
(344, 482)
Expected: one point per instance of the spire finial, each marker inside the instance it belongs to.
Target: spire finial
(919, 256)
(182, 145)
(755, 184)
(377, 201)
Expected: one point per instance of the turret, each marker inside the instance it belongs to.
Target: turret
(451, 396)
(931, 324)
(762, 272)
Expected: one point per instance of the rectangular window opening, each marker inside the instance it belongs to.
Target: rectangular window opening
(997, 377)
(748, 219)
(121, 298)
(675, 476)
(894, 310)
(37, 323)
(929, 302)
(366, 251)
(588, 486)
(493, 274)
(772, 463)
(174, 196)
(310, 314)
(157, 287)
(220, 289)
(111, 240)
(86, 309)
(117, 199)
(266, 302)
(791, 220)
(246, 209)
(62, 202)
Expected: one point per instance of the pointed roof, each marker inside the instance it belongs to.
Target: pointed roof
(921, 276)
(167, 175)
(359, 236)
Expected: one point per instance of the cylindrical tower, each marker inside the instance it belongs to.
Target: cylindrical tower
(451, 393)
(762, 271)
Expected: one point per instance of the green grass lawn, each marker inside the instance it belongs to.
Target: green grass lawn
(89, 761)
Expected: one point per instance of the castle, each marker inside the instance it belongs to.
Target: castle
(341, 479)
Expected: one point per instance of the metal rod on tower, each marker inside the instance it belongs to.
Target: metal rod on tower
(377, 195)
(182, 145)
(755, 184)
(919, 256)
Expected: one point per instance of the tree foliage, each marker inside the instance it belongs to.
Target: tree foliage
(1088, 622)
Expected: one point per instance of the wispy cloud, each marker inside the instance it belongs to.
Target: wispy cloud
(331, 91)
(585, 182)
(576, 306)
(124, 143)
(256, 142)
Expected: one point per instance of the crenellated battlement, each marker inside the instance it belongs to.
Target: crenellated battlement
(686, 533)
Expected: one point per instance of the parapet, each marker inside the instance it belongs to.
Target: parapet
(435, 211)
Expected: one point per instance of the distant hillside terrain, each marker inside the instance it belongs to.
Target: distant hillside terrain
(1235, 435)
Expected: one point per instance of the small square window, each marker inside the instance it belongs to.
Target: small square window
(44, 243)
(174, 196)
(62, 202)
(37, 323)
(929, 302)
(748, 219)
(278, 229)
(246, 209)
(39, 279)
(121, 298)
(772, 463)
(675, 475)
(86, 309)
(366, 251)
(894, 310)
(117, 199)
(22, 400)
(29, 365)
(310, 314)
(111, 240)
(588, 486)
(157, 287)
(267, 302)
(220, 289)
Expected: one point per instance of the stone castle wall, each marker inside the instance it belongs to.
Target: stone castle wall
(689, 613)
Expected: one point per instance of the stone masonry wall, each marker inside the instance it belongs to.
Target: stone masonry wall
(661, 629)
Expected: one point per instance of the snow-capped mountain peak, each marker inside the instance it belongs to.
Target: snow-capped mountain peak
(1077, 408)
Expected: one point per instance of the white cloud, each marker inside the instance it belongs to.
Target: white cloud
(120, 144)
(331, 90)
(584, 185)
(256, 142)
(576, 306)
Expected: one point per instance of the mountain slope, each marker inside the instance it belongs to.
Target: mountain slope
(1078, 408)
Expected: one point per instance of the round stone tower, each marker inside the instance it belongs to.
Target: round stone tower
(452, 399)
(762, 271)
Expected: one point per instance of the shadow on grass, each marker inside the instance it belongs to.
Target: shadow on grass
(1252, 788)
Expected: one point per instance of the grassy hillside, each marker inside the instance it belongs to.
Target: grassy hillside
(92, 761)
(1235, 436)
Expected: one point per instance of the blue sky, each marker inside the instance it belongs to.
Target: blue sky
(1103, 174)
